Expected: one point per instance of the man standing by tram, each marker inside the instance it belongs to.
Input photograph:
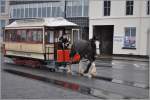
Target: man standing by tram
(64, 42)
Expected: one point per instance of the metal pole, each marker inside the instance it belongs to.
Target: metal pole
(65, 9)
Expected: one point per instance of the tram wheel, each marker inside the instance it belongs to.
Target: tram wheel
(53, 70)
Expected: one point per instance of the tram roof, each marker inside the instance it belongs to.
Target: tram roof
(40, 22)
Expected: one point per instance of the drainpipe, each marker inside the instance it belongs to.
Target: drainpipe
(140, 22)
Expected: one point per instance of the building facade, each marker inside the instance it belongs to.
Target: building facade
(4, 15)
(74, 10)
(121, 26)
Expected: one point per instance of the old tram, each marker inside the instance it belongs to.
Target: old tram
(34, 42)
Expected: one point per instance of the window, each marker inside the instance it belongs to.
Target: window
(129, 7)
(148, 7)
(23, 35)
(22, 13)
(34, 12)
(7, 36)
(48, 11)
(2, 24)
(107, 6)
(26, 12)
(30, 12)
(58, 12)
(18, 12)
(50, 37)
(11, 35)
(39, 36)
(54, 10)
(86, 7)
(77, 8)
(130, 37)
(69, 9)
(33, 36)
(76, 35)
(39, 12)
(44, 12)
(2, 6)
(14, 13)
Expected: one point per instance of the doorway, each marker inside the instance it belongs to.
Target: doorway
(104, 34)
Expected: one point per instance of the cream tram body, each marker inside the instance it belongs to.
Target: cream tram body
(36, 38)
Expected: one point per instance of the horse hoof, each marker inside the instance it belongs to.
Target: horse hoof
(88, 75)
(69, 72)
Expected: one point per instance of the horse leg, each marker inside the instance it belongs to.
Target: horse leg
(92, 70)
(69, 68)
(88, 67)
(80, 69)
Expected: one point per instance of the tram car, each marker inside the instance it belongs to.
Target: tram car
(35, 42)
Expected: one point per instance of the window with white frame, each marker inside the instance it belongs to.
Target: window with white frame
(148, 7)
(107, 7)
(129, 7)
(130, 37)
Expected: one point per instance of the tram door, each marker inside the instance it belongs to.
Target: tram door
(57, 44)
(75, 35)
(49, 47)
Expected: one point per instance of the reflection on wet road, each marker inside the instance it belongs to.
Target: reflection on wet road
(93, 87)
(115, 79)
(67, 85)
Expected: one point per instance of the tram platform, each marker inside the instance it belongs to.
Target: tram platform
(92, 86)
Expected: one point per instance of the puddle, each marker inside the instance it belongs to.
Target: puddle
(72, 86)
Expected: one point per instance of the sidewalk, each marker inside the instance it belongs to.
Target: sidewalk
(129, 58)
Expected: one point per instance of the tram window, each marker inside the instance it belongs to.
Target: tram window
(7, 36)
(28, 36)
(50, 37)
(34, 36)
(10, 35)
(31, 37)
(39, 36)
(16, 35)
(23, 35)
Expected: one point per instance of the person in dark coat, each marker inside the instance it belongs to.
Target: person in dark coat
(64, 42)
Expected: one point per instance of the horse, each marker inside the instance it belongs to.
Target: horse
(87, 50)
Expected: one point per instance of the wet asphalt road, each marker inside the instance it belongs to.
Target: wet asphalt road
(18, 87)
(133, 74)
